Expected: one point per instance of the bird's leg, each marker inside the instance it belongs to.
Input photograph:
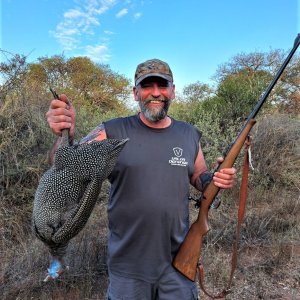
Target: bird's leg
(55, 269)
(57, 265)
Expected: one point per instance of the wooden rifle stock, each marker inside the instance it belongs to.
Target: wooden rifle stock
(187, 258)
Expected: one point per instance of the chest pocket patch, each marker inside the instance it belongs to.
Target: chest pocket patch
(178, 159)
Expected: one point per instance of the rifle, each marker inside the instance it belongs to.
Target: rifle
(187, 258)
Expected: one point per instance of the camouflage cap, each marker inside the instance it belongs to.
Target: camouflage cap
(153, 67)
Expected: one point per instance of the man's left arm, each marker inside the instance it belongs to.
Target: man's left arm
(224, 178)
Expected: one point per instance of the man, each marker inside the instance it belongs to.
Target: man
(148, 205)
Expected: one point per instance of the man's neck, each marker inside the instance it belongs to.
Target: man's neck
(165, 122)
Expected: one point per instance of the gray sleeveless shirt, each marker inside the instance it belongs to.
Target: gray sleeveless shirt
(148, 205)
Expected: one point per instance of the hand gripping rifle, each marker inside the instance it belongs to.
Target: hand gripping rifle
(187, 258)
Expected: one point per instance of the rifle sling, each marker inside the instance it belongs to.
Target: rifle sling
(241, 213)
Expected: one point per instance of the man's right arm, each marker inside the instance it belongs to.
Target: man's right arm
(61, 115)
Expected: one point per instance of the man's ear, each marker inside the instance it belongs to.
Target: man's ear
(135, 93)
(173, 92)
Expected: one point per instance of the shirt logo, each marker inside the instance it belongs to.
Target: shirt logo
(177, 151)
(178, 160)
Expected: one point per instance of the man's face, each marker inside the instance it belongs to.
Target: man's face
(154, 95)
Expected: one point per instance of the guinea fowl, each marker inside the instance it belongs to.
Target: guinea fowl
(67, 193)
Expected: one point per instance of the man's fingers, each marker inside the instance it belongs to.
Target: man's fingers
(220, 159)
(59, 111)
(225, 178)
(61, 119)
(58, 127)
(59, 104)
(223, 183)
(58, 119)
(224, 173)
(63, 97)
(230, 171)
(61, 115)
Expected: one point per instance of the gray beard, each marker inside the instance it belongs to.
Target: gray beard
(154, 116)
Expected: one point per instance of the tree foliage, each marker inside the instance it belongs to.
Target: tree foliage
(12, 74)
(256, 70)
(84, 81)
(197, 91)
(239, 92)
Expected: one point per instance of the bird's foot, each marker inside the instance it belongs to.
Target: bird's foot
(55, 270)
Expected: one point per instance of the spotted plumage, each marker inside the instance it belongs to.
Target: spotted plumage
(68, 191)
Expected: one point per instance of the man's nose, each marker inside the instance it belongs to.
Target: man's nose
(156, 90)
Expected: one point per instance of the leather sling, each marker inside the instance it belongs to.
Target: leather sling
(241, 213)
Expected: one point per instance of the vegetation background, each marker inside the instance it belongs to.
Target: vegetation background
(268, 266)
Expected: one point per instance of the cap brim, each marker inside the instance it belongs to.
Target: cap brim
(164, 76)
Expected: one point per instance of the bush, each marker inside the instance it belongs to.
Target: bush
(276, 151)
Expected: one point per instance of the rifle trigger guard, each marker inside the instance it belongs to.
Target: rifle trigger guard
(215, 204)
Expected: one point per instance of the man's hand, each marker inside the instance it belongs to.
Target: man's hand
(61, 115)
(224, 178)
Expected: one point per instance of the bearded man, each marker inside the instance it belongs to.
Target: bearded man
(148, 207)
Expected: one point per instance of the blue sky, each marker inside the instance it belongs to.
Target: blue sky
(193, 36)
